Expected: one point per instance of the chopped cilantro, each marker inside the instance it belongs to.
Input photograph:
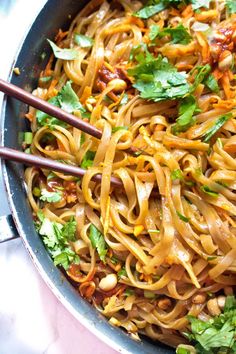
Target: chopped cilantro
(124, 99)
(182, 217)
(51, 175)
(231, 6)
(56, 238)
(199, 74)
(122, 273)
(157, 79)
(178, 34)
(197, 4)
(50, 197)
(154, 32)
(218, 334)
(114, 260)
(65, 54)
(83, 41)
(155, 6)
(66, 100)
(176, 174)
(218, 124)
(98, 242)
(187, 108)
(129, 292)
(211, 83)
(209, 191)
(88, 159)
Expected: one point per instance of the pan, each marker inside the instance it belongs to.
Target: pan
(31, 59)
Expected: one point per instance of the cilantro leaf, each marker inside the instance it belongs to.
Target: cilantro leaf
(200, 73)
(185, 120)
(211, 83)
(157, 79)
(88, 159)
(45, 119)
(197, 4)
(151, 10)
(124, 99)
(98, 242)
(69, 230)
(218, 334)
(129, 292)
(218, 124)
(66, 100)
(154, 32)
(231, 6)
(65, 54)
(182, 217)
(122, 273)
(83, 41)
(65, 258)
(209, 191)
(178, 34)
(56, 238)
(50, 197)
(155, 6)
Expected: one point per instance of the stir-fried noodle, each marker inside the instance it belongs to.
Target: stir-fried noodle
(163, 246)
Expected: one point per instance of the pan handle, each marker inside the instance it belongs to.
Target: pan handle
(7, 229)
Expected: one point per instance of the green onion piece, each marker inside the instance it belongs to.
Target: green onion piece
(28, 137)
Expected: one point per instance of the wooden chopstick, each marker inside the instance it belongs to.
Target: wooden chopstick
(42, 162)
(36, 102)
(44, 106)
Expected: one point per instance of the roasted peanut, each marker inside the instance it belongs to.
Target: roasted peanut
(108, 283)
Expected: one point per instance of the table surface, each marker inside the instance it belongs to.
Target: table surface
(32, 321)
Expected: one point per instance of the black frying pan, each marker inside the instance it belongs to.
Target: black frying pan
(31, 61)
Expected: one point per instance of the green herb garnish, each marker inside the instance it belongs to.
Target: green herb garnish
(56, 238)
(83, 41)
(182, 217)
(122, 273)
(231, 6)
(66, 100)
(155, 6)
(209, 191)
(218, 124)
(178, 34)
(28, 138)
(88, 159)
(50, 197)
(98, 242)
(176, 174)
(65, 54)
(157, 79)
(218, 334)
(187, 107)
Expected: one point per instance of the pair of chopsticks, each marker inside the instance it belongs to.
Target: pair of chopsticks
(42, 162)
